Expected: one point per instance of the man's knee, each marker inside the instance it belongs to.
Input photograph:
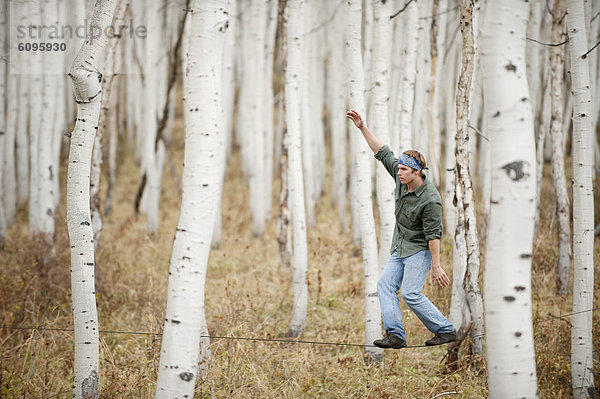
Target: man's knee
(410, 296)
(386, 286)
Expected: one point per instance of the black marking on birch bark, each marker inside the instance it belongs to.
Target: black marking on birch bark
(497, 114)
(519, 288)
(518, 334)
(372, 294)
(511, 67)
(186, 376)
(49, 212)
(89, 386)
(175, 321)
(186, 258)
(182, 230)
(509, 298)
(68, 135)
(525, 256)
(517, 170)
(85, 223)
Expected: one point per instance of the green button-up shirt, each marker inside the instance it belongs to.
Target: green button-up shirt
(418, 213)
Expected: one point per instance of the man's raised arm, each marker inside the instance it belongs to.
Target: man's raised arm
(372, 140)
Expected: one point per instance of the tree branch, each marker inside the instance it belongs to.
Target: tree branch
(590, 50)
(548, 44)
(402, 10)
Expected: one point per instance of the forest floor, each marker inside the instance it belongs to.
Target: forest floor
(248, 294)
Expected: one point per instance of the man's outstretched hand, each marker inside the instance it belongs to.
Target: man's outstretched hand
(356, 118)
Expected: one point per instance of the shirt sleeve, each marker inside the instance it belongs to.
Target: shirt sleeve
(432, 220)
(388, 159)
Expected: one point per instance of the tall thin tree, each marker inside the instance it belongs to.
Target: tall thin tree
(563, 268)
(507, 277)
(294, 79)
(88, 95)
(185, 320)
(583, 207)
(363, 187)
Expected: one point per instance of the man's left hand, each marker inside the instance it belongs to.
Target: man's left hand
(439, 276)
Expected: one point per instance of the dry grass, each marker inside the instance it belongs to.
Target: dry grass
(248, 295)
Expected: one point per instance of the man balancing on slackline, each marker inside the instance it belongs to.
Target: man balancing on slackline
(415, 246)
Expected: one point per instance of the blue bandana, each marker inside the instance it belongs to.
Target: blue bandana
(409, 161)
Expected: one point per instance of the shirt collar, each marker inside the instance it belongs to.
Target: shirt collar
(419, 189)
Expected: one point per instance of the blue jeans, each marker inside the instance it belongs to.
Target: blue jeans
(408, 275)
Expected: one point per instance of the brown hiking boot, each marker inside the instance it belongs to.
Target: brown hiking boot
(442, 338)
(390, 341)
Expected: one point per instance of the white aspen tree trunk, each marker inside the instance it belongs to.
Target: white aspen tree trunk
(88, 94)
(269, 102)
(450, 214)
(440, 75)
(228, 102)
(8, 178)
(229, 77)
(153, 151)
(534, 72)
(540, 141)
(284, 226)
(583, 207)
(434, 140)
(22, 133)
(307, 119)
(381, 125)
(108, 81)
(185, 329)
(559, 182)
(465, 205)
(507, 277)
(9, 181)
(47, 171)
(363, 188)
(257, 145)
(35, 111)
(294, 79)
(336, 76)
(316, 102)
(409, 75)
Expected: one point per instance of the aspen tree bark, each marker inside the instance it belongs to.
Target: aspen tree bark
(337, 105)
(507, 276)
(306, 116)
(9, 181)
(284, 227)
(450, 215)
(185, 321)
(441, 22)
(47, 172)
(35, 110)
(563, 267)
(381, 125)
(363, 187)
(540, 141)
(108, 80)
(467, 222)
(583, 207)
(22, 133)
(228, 99)
(294, 79)
(420, 126)
(88, 94)
(153, 146)
(257, 144)
(409, 74)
